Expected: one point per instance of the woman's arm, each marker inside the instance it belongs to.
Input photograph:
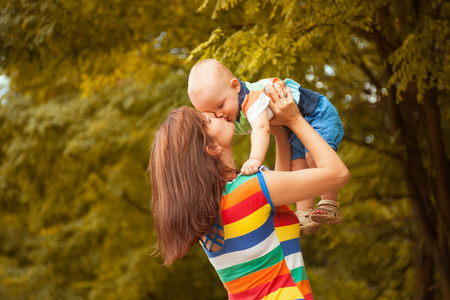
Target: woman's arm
(330, 174)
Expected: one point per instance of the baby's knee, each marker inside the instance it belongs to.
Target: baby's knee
(299, 164)
(309, 160)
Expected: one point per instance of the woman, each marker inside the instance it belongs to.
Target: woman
(247, 230)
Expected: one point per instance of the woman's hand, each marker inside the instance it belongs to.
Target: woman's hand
(278, 130)
(282, 105)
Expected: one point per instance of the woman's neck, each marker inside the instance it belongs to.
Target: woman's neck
(227, 158)
(231, 165)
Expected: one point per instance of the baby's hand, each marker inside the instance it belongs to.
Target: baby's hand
(251, 166)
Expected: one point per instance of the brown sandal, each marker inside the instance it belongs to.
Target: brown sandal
(306, 225)
(333, 213)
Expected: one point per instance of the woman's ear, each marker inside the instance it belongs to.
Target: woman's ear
(213, 149)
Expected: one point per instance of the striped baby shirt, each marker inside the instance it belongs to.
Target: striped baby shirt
(253, 101)
(261, 256)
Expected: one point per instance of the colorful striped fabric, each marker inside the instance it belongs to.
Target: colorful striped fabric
(256, 101)
(261, 256)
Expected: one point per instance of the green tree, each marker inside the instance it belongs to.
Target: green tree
(90, 82)
(385, 65)
(89, 85)
(87, 46)
(75, 222)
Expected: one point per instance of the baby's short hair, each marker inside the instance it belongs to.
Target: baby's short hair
(207, 71)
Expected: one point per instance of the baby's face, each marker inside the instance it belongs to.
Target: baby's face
(222, 102)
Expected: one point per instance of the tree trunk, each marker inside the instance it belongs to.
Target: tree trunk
(424, 278)
(438, 157)
(439, 166)
(404, 121)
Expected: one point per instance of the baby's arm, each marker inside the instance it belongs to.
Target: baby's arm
(260, 138)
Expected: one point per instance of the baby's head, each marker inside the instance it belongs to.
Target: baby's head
(212, 87)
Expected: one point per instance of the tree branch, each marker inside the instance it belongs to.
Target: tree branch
(135, 205)
(376, 36)
(366, 70)
(380, 222)
(372, 147)
(379, 198)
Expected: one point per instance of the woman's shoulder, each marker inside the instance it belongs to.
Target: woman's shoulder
(246, 180)
(239, 180)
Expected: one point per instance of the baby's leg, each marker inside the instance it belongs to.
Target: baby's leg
(327, 211)
(300, 164)
(305, 207)
(332, 195)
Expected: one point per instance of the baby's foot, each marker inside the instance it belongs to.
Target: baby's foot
(307, 226)
(327, 212)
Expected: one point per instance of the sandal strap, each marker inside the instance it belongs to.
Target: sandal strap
(328, 202)
(330, 206)
(304, 216)
(304, 213)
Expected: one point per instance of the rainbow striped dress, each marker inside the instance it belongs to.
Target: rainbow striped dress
(261, 256)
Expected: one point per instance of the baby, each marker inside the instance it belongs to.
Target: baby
(212, 87)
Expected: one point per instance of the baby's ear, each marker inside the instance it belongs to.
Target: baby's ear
(213, 149)
(235, 85)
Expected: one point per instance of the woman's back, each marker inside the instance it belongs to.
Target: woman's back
(261, 256)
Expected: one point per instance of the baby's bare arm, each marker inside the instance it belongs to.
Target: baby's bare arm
(260, 138)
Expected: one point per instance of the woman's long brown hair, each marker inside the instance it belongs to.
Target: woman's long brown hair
(187, 183)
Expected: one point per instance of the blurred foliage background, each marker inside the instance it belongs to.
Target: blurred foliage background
(89, 82)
